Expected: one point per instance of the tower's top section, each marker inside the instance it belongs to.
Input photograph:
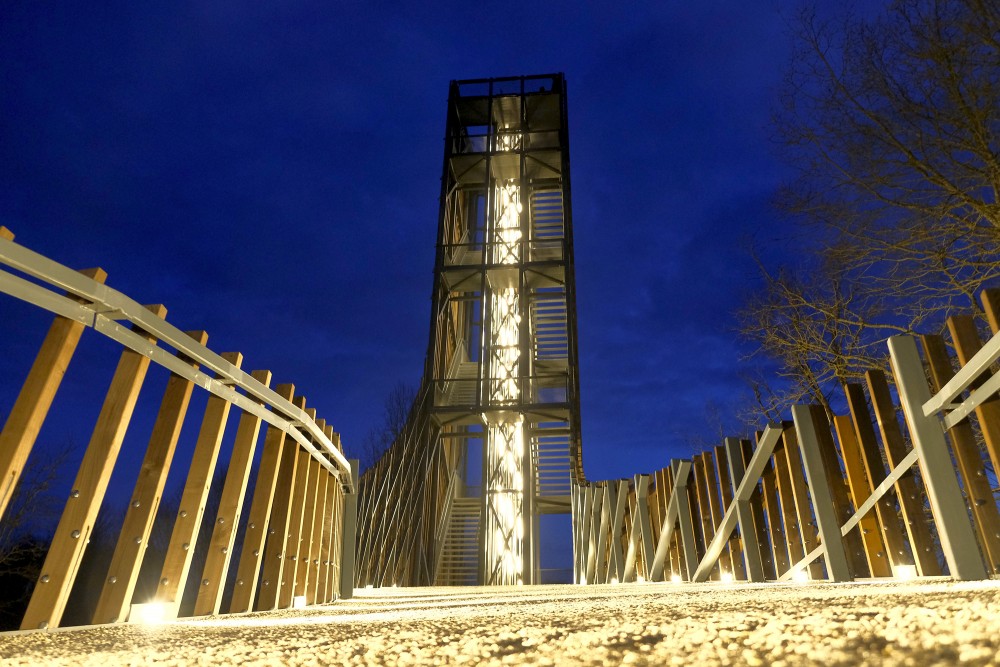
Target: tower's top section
(503, 117)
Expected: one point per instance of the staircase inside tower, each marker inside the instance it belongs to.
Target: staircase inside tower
(458, 563)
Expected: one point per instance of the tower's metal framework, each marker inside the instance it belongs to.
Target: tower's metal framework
(502, 356)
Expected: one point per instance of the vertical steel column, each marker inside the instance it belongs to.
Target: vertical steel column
(826, 516)
(349, 539)
(958, 541)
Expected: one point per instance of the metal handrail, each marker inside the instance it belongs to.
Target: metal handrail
(107, 306)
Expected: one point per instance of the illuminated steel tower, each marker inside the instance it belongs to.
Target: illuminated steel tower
(502, 353)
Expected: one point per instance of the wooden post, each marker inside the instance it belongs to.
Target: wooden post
(967, 343)
(786, 501)
(323, 588)
(304, 568)
(888, 520)
(990, 299)
(277, 531)
(35, 398)
(838, 490)
(800, 494)
(314, 593)
(744, 514)
(712, 489)
(48, 601)
(227, 517)
(248, 570)
(290, 572)
(734, 548)
(871, 535)
(701, 510)
(911, 500)
(757, 512)
(979, 494)
(779, 545)
(180, 551)
(116, 595)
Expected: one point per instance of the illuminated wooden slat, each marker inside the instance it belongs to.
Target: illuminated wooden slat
(291, 571)
(227, 518)
(277, 531)
(35, 398)
(986, 518)
(119, 585)
(911, 498)
(701, 511)
(871, 535)
(800, 495)
(786, 500)
(990, 299)
(757, 513)
(967, 344)
(322, 591)
(180, 551)
(772, 507)
(714, 503)
(251, 556)
(305, 571)
(48, 601)
(888, 520)
(734, 548)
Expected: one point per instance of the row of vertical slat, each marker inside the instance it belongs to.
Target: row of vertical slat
(296, 508)
(661, 526)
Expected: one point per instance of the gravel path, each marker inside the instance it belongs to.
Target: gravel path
(928, 623)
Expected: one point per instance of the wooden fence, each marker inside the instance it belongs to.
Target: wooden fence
(861, 495)
(298, 538)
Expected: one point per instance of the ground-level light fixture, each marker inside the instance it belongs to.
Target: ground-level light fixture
(906, 572)
(149, 613)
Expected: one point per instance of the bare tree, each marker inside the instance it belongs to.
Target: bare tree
(26, 529)
(821, 329)
(893, 125)
(396, 411)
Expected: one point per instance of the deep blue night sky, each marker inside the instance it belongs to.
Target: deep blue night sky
(270, 172)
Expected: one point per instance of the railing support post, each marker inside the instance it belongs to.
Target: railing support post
(349, 536)
(958, 541)
(823, 506)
